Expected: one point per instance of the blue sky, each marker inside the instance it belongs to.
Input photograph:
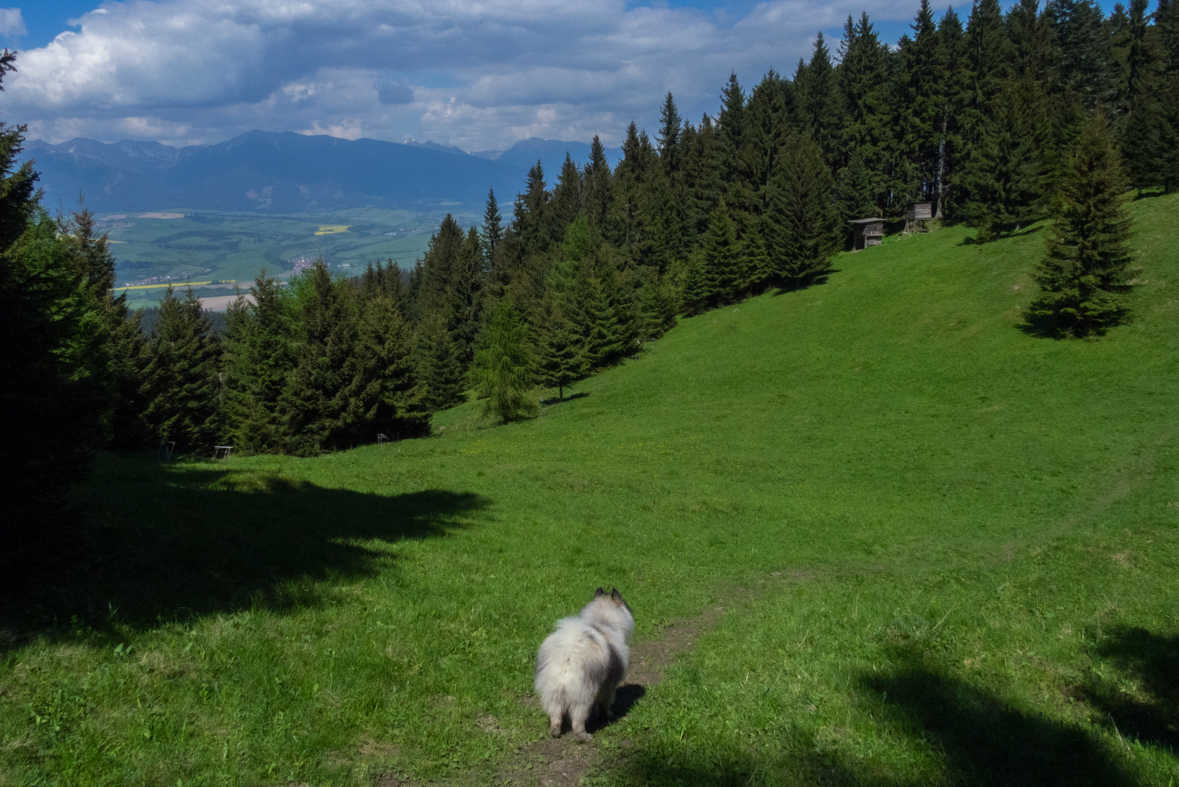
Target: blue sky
(480, 74)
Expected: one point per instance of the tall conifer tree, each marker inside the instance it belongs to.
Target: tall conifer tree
(492, 232)
(181, 379)
(1087, 266)
(818, 101)
(558, 358)
(503, 366)
(598, 188)
(386, 345)
(803, 214)
(723, 261)
(260, 358)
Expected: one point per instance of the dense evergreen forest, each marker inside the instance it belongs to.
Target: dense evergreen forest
(997, 122)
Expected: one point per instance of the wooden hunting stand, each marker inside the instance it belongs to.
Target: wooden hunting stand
(866, 232)
(917, 217)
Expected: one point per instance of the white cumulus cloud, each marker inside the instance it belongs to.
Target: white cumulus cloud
(477, 73)
(11, 22)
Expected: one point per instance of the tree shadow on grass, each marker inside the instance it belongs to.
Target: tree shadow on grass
(972, 240)
(1050, 327)
(1141, 699)
(984, 739)
(162, 544)
(979, 738)
(558, 400)
(799, 286)
(1149, 193)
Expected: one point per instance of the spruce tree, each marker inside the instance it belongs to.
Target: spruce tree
(594, 318)
(568, 196)
(439, 368)
(818, 101)
(723, 263)
(854, 191)
(260, 353)
(532, 221)
(465, 300)
(620, 288)
(116, 354)
(955, 80)
(633, 216)
(1032, 49)
(503, 366)
(182, 383)
(730, 125)
(756, 269)
(670, 127)
(331, 396)
(558, 358)
(1087, 266)
(386, 343)
(988, 59)
(1084, 48)
(598, 188)
(438, 266)
(802, 215)
(656, 308)
(696, 293)
(920, 103)
(766, 130)
(1166, 19)
(865, 95)
(492, 232)
(1006, 179)
(702, 178)
(51, 416)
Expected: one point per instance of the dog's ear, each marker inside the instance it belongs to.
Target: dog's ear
(599, 593)
(614, 594)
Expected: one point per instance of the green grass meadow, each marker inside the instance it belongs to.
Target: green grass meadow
(945, 549)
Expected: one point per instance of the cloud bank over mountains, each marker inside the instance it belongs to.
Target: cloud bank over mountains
(480, 74)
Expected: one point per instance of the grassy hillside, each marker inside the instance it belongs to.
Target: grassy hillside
(931, 547)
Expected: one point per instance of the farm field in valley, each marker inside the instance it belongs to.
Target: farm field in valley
(912, 544)
(221, 250)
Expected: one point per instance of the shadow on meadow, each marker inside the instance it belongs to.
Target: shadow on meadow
(162, 544)
(559, 400)
(1139, 696)
(976, 736)
(1017, 232)
(983, 739)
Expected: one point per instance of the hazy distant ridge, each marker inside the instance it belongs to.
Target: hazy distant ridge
(286, 172)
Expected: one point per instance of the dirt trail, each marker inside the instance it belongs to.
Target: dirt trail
(561, 762)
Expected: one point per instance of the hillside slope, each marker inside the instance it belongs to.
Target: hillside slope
(935, 549)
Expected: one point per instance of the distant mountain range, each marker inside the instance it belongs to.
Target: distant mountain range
(288, 172)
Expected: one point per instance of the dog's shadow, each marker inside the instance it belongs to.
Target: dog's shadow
(625, 698)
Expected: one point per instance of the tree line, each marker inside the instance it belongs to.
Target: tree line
(996, 123)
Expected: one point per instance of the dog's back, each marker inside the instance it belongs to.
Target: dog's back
(581, 663)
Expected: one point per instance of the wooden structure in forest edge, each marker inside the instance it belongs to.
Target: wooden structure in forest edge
(918, 216)
(866, 232)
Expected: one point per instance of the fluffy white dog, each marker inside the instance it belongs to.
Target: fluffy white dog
(581, 663)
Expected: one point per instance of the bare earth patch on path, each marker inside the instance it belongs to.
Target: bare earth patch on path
(562, 762)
